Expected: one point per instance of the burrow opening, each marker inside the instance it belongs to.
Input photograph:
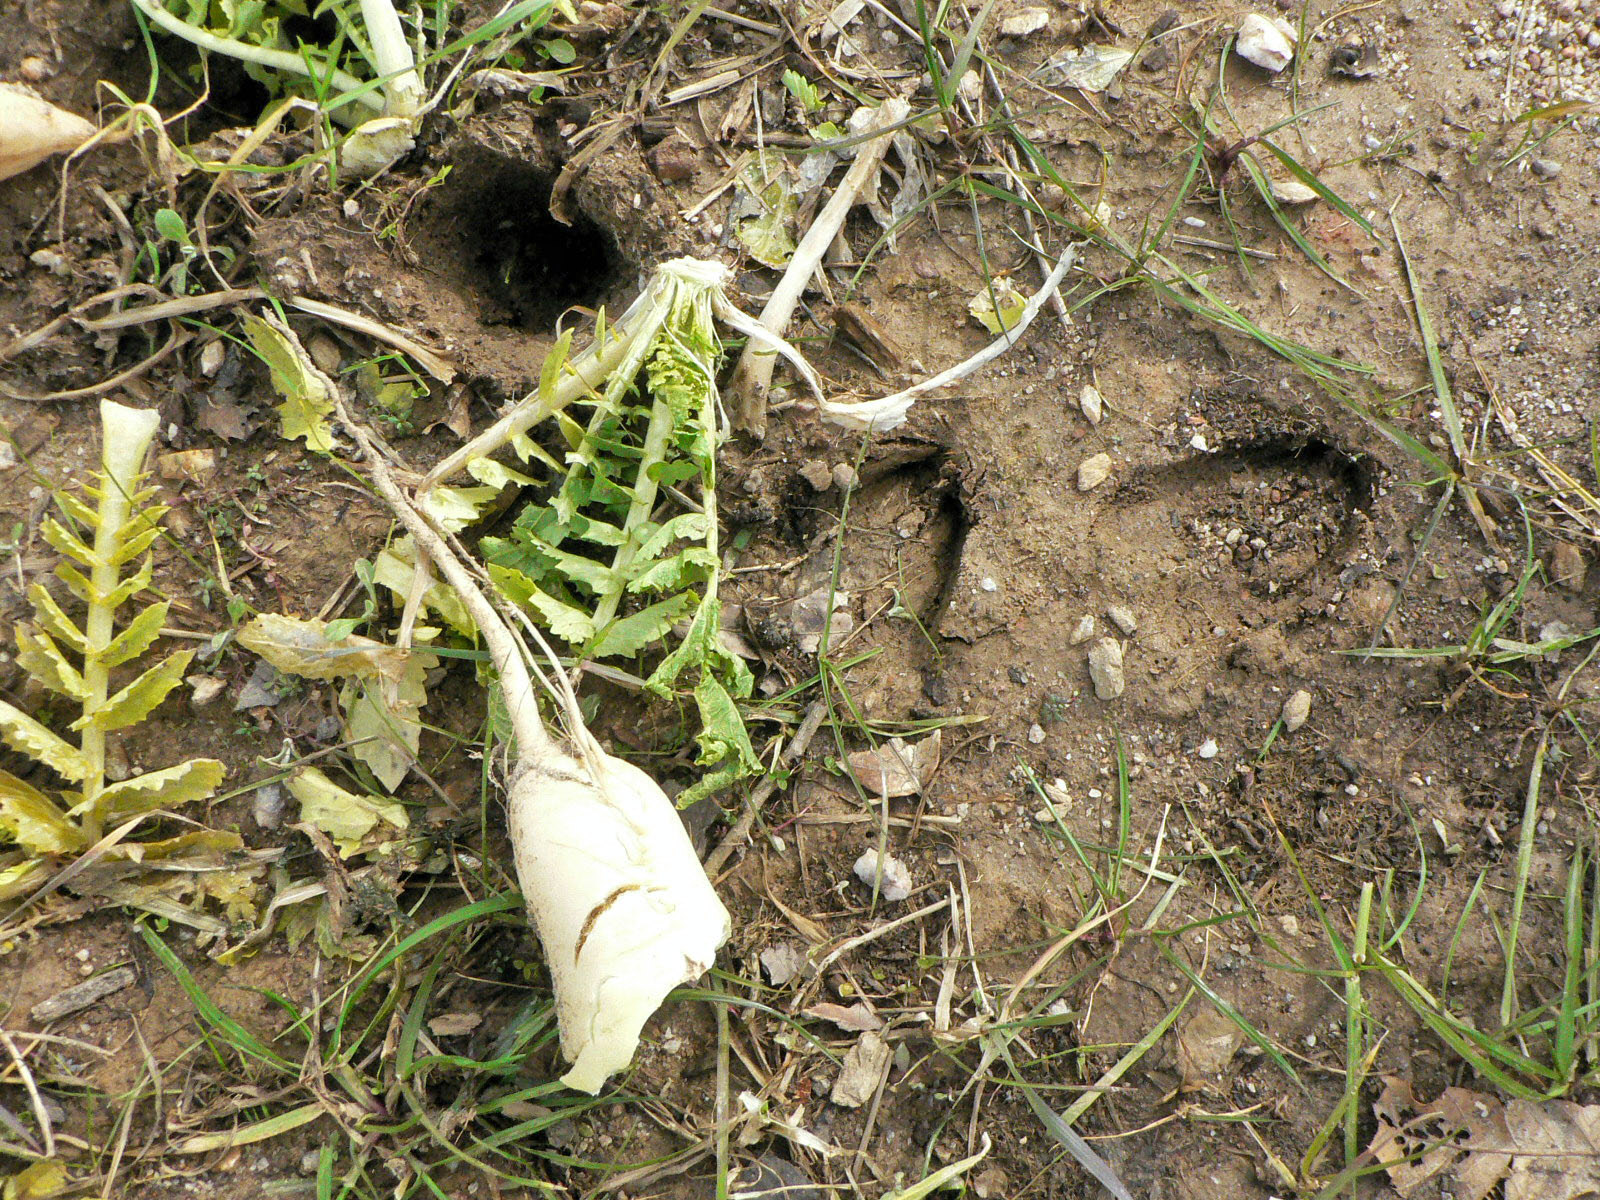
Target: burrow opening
(492, 220)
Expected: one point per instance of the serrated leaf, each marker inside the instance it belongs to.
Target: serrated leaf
(51, 616)
(570, 624)
(301, 647)
(306, 404)
(76, 509)
(457, 507)
(723, 740)
(629, 635)
(26, 736)
(575, 568)
(42, 659)
(136, 701)
(29, 818)
(355, 823)
(128, 588)
(685, 527)
(166, 788)
(497, 475)
(137, 543)
(138, 637)
(67, 542)
(77, 582)
(687, 567)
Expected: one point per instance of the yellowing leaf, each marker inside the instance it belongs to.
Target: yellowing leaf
(1000, 311)
(383, 718)
(21, 877)
(301, 647)
(136, 701)
(306, 404)
(29, 818)
(26, 736)
(193, 780)
(394, 569)
(355, 823)
(64, 540)
(40, 1181)
(138, 637)
(565, 621)
(53, 620)
(42, 658)
(767, 206)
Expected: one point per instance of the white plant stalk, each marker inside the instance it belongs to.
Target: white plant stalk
(613, 887)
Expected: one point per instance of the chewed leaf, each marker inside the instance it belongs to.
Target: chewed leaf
(383, 719)
(627, 636)
(355, 823)
(767, 208)
(568, 623)
(138, 637)
(306, 404)
(42, 658)
(26, 736)
(1001, 310)
(166, 788)
(301, 647)
(681, 570)
(723, 740)
(136, 701)
(29, 818)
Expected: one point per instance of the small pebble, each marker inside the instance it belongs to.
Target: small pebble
(1208, 748)
(1105, 668)
(1035, 734)
(1091, 404)
(1544, 168)
(1083, 632)
(1296, 710)
(895, 883)
(1122, 617)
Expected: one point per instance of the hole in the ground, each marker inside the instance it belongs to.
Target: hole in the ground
(493, 219)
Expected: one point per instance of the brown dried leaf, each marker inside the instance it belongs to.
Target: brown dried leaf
(1557, 1147)
(226, 418)
(857, 1018)
(898, 767)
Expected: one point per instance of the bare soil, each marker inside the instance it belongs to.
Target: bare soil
(1256, 530)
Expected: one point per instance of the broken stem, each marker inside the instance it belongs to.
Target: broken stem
(753, 376)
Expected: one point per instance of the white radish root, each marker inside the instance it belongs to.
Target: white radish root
(613, 887)
(32, 129)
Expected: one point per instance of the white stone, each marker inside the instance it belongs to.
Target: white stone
(1024, 22)
(895, 883)
(1091, 404)
(1267, 43)
(1208, 748)
(1083, 632)
(1122, 617)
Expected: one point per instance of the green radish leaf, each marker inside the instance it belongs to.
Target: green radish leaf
(306, 405)
(568, 623)
(26, 736)
(628, 636)
(136, 701)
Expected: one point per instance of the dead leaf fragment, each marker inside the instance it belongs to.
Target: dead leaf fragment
(782, 962)
(898, 767)
(454, 1024)
(857, 1018)
(864, 1066)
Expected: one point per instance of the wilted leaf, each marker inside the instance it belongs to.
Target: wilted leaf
(454, 1024)
(864, 1066)
(38, 1181)
(355, 823)
(26, 736)
(857, 1018)
(192, 780)
(999, 311)
(1090, 69)
(383, 718)
(395, 567)
(225, 417)
(32, 820)
(306, 404)
(767, 208)
(40, 657)
(136, 701)
(898, 767)
(301, 647)
(1462, 1132)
